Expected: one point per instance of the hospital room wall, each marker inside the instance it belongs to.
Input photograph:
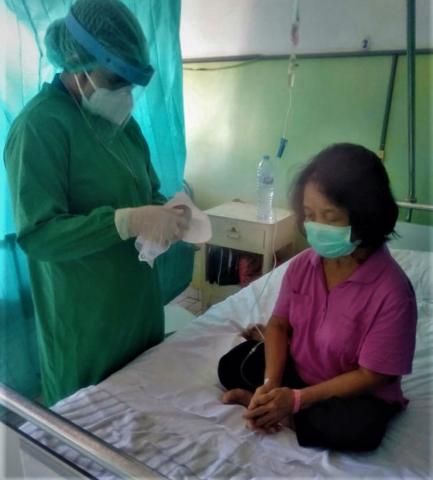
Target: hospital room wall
(235, 115)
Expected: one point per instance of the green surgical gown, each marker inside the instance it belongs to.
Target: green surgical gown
(97, 307)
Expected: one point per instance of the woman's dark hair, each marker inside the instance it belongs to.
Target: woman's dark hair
(354, 178)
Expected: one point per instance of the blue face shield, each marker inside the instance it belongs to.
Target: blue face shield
(330, 241)
(105, 58)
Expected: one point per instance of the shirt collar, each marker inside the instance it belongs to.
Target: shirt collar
(368, 271)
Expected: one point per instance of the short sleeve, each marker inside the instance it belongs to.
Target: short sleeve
(389, 345)
(282, 305)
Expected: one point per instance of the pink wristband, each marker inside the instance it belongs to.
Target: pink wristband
(296, 401)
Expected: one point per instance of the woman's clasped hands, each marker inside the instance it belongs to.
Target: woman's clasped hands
(270, 408)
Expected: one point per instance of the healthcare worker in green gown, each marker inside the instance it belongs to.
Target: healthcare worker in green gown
(83, 188)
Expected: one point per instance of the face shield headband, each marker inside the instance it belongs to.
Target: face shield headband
(105, 58)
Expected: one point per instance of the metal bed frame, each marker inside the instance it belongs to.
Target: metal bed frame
(75, 437)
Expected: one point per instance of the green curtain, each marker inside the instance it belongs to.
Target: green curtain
(23, 69)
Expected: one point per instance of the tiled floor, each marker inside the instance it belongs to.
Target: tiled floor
(190, 300)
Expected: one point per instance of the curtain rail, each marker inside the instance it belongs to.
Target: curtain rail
(74, 436)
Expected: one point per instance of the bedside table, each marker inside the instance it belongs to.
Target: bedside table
(234, 225)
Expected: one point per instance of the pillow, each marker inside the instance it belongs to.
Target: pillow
(418, 266)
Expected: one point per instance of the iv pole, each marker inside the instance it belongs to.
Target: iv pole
(410, 29)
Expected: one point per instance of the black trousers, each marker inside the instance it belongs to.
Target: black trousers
(344, 424)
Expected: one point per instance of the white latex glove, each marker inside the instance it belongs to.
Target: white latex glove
(158, 224)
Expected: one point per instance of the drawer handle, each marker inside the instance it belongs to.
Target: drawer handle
(233, 233)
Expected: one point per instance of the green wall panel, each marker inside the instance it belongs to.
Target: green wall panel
(234, 115)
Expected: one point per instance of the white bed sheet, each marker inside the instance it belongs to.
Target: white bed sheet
(164, 407)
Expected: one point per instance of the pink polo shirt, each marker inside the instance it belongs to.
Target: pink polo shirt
(367, 321)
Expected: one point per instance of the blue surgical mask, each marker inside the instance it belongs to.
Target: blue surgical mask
(330, 241)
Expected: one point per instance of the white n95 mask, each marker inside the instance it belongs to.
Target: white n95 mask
(113, 105)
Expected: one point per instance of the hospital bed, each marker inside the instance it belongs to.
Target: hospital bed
(164, 408)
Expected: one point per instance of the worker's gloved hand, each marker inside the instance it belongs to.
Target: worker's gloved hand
(158, 224)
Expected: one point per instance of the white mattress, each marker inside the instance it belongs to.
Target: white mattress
(164, 407)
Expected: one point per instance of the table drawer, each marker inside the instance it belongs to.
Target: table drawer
(237, 234)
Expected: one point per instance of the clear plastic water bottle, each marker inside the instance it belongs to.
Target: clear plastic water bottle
(265, 189)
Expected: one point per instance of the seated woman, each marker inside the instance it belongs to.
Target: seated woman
(342, 332)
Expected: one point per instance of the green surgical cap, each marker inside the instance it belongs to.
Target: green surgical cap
(111, 23)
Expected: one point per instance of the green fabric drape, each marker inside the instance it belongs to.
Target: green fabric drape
(19, 362)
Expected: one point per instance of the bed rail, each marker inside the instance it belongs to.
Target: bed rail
(415, 206)
(75, 437)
